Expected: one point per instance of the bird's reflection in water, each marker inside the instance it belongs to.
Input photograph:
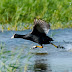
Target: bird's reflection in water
(41, 65)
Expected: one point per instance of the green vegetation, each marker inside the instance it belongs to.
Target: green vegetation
(19, 14)
(15, 60)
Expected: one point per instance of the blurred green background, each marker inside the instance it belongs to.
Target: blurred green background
(19, 14)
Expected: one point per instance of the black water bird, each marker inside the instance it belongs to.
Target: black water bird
(38, 34)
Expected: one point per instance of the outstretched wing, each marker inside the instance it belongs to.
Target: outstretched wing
(40, 26)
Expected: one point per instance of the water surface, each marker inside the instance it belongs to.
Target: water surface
(17, 55)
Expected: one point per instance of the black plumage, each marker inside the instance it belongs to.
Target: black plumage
(38, 34)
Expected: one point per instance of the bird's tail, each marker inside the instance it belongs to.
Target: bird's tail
(49, 38)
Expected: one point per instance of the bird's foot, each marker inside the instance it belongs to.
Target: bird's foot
(60, 47)
(36, 47)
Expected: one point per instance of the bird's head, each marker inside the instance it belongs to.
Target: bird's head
(14, 36)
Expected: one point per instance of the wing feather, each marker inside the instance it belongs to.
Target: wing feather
(41, 26)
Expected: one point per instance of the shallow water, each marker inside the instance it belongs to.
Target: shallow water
(17, 55)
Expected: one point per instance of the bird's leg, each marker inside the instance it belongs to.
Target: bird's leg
(54, 45)
(40, 46)
(57, 46)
